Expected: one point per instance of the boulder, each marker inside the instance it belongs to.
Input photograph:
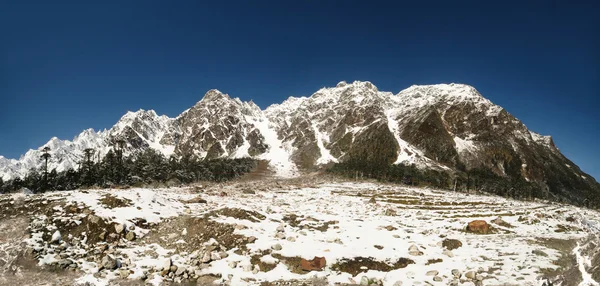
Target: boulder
(276, 247)
(470, 275)
(206, 257)
(451, 244)
(56, 237)
(414, 251)
(108, 262)
(166, 265)
(130, 236)
(316, 264)
(479, 227)
(119, 228)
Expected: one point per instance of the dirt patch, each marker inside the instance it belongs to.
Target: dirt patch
(112, 202)
(237, 213)
(434, 261)
(354, 266)
(198, 231)
(294, 264)
(264, 267)
(567, 273)
(307, 223)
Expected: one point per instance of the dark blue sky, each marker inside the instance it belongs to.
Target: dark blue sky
(70, 65)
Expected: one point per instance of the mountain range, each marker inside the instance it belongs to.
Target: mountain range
(445, 127)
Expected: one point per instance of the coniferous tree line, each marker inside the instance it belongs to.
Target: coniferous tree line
(476, 179)
(147, 168)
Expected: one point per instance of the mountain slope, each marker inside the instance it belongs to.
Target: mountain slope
(448, 127)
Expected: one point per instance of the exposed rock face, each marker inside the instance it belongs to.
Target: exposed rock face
(218, 126)
(445, 127)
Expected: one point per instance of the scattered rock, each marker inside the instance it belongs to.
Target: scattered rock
(378, 247)
(276, 247)
(364, 280)
(64, 263)
(166, 265)
(196, 200)
(479, 277)
(316, 264)
(372, 201)
(93, 219)
(437, 279)
(499, 221)
(291, 238)
(451, 244)
(206, 257)
(398, 283)
(215, 256)
(414, 251)
(249, 192)
(432, 273)
(108, 262)
(280, 228)
(448, 253)
(390, 212)
(470, 275)
(539, 252)
(456, 273)
(251, 239)
(119, 228)
(56, 237)
(232, 264)
(130, 236)
(479, 227)
(280, 235)
(124, 273)
(390, 228)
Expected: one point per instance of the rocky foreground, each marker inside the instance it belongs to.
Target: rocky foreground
(317, 233)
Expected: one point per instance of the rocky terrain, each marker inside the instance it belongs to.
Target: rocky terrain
(310, 230)
(449, 127)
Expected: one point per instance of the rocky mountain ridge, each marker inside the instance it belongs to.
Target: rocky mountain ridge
(444, 126)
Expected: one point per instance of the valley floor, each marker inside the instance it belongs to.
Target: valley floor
(269, 231)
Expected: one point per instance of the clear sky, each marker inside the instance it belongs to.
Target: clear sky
(70, 65)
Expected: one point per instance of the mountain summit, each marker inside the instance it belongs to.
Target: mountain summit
(449, 127)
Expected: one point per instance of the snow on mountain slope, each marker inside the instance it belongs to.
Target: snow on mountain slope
(440, 126)
(141, 129)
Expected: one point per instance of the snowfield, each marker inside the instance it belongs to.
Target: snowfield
(248, 233)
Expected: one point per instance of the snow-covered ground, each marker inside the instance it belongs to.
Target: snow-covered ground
(248, 233)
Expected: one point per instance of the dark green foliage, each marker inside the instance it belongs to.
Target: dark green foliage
(148, 167)
(477, 179)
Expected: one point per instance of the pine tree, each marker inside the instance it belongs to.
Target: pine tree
(45, 156)
(89, 179)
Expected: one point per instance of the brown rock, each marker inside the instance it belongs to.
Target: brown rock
(451, 244)
(479, 227)
(196, 200)
(318, 263)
